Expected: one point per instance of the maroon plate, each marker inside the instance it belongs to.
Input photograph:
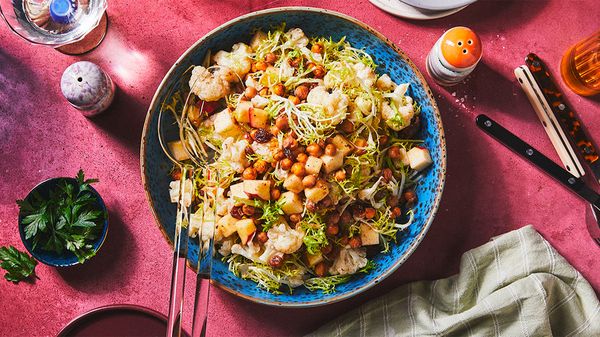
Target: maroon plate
(116, 321)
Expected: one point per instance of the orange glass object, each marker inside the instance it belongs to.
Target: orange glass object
(580, 66)
(461, 47)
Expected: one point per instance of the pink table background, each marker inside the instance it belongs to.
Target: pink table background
(489, 191)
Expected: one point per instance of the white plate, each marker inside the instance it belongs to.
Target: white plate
(403, 10)
(439, 5)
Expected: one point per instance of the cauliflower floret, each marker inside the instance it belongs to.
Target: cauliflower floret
(285, 71)
(335, 105)
(238, 61)
(225, 248)
(385, 83)
(259, 102)
(296, 37)
(349, 261)
(234, 154)
(363, 105)
(258, 39)
(174, 191)
(252, 82)
(364, 74)
(284, 239)
(398, 113)
(268, 254)
(209, 86)
(250, 251)
(263, 150)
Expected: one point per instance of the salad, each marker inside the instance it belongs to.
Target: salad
(316, 159)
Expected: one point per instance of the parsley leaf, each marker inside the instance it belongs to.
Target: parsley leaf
(67, 219)
(19, 265)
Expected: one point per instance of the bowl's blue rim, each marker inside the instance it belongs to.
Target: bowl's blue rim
(437, 115)
(101, 239)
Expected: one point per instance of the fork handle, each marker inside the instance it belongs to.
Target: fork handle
(536, 158)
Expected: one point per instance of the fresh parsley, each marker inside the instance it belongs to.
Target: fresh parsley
(18, 265)
(68, 219)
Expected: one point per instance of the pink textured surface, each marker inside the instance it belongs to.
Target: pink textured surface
(489, 191)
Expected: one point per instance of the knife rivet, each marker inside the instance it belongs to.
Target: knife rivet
(561, 107)
(536, 64)
(572, 180)
(587, 149)
(487, 123)
(529, 152)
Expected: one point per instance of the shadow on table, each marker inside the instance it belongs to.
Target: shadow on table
(96, 276)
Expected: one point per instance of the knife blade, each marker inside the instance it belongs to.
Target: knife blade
(569, 121)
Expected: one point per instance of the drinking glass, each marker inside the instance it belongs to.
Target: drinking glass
(580, 66)
(70, 26)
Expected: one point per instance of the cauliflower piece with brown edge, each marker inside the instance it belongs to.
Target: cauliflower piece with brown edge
(251, 251)
(237, 61)
(234, 153)
(349, 261)
(209, 86)
(365, 75)
(335, 105)
(284, 239)
(296, 37)
(385, 83)
(399, 112)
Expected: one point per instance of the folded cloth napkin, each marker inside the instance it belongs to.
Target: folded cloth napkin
(514, 285)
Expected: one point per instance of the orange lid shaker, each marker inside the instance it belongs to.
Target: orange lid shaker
(454, 56)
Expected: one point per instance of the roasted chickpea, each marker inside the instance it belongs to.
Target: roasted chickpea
(295, 100)
(383, 139)
(387, 174)
(321, 269)
(261, 166)
(278, 89)
(295, 218)
(248, 210)
(311, 206)
(275, 194)
(344, 241)
(333, 219)
(262, 237)
(282, 122)
(279, 155)
(295, 62)
(333, 230)
(249, 173)
(271, 58)
(319, 71)
(393, 201)
(309, 181)
(298, 169)
(317, 48)
(261, 66)
(264, 92)
(274, 130)
(396, 212)
(330, 150)
(327, 249)
(302, 158)
(314, 150)
(250, 92)
(355, 242)
(347, 126)
(394, 152)
(340, 175)
(358, 211)
(290, 142)
(370, 212)
(410, 197)
(286, 164)
(276, 261)
(360, 145)
(301, 92)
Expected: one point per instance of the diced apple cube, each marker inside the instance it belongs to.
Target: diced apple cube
(404, 157)
(258, 188)
(225, 124)
(419, 158)
(342, 144)
(368, 236)
(291, 203)
(245, 229)
(332, 163)
(293, 183)
(242, 112)
(236, 191)
(227, 225)
(313, 165)
(177, 150)
(259, 118)
(317, 192)
(314, 259)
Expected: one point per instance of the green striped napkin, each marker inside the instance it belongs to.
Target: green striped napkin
(514, 285)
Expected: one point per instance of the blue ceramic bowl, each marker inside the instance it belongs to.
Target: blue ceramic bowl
(68, 258)
(315, 22)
